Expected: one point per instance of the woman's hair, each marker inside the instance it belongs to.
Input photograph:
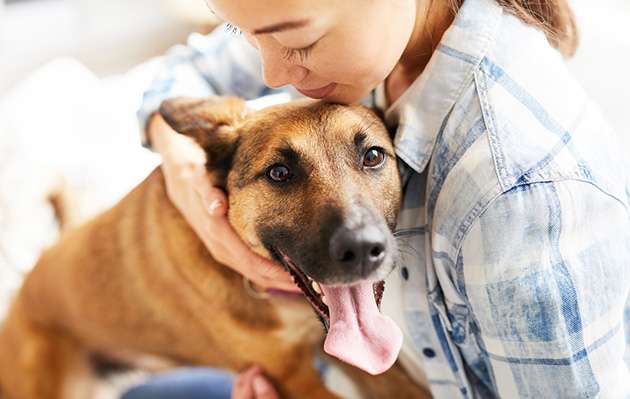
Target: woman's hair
(553, 17)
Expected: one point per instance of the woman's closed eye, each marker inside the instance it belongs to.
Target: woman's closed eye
(297, 54)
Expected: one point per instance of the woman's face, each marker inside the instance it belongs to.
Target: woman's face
(330, 49)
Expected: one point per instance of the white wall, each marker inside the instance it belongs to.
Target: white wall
(602, 62)
(108, 36)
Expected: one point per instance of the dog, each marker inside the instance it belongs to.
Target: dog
(314, 186)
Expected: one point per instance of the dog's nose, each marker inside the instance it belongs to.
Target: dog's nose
(358, 251)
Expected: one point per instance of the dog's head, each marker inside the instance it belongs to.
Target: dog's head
(314, 185)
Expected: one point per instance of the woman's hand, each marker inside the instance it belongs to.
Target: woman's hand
(205, 207)
(252, 384)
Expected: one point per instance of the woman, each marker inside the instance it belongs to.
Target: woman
(514, 281)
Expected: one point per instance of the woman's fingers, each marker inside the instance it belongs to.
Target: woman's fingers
(243, 387)
(252, 384)
(227, 247)
(205, 208)
(214, 199)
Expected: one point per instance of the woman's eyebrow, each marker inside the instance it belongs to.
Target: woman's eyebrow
(282, 26)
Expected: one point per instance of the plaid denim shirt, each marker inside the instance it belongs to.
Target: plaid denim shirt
(515, 233)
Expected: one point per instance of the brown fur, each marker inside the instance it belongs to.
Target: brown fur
(136, 280)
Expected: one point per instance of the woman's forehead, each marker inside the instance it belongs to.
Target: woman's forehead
(269, 16)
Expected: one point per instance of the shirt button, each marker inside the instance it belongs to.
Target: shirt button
(405, 273)
(428, 352)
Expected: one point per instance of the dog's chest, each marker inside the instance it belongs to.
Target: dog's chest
(299, 324)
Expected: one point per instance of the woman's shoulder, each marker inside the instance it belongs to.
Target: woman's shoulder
(505, 134)
(531, 120)
(543, 127)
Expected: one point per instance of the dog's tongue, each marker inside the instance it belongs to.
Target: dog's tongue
(359, 334)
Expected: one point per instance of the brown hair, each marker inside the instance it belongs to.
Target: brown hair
(553, 17)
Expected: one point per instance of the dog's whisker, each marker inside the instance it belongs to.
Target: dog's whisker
(252, 292)
(359, 126)
(360, 123)
(374, 121)
(403, 255)
(363, 128)
(271, 270)
(407, 250)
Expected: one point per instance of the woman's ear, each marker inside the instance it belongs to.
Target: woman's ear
(212, 122)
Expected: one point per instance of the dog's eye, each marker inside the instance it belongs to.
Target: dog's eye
(278, 173)
(373, 157)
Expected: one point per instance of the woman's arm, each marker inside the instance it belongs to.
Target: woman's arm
(545, 276)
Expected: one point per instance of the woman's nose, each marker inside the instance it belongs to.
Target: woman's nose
(277, 71)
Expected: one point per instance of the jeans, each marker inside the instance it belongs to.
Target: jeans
(186, 383)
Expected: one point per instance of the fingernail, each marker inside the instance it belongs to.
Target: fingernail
(261, 386)
(214, 205)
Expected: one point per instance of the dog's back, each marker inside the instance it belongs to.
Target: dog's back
(136, 280)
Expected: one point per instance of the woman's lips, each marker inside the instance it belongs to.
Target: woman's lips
(319, 93)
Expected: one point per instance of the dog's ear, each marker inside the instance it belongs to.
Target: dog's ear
(211, 122)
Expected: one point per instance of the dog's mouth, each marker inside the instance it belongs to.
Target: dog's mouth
(314, 292)
(357, 332)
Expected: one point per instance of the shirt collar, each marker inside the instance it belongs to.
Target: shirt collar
(433, 94)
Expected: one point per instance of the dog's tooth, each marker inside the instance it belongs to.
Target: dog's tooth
(317, 287)
(324, 300)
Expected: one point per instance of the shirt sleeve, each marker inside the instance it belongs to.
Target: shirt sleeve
(220, 63)
(545, 275)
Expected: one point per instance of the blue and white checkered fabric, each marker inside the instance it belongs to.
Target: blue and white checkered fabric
(515, 229)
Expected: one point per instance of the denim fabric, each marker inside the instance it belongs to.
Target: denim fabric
(516, 205)
(514, 232)
(185, 383)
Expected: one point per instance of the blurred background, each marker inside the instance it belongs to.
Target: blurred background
(72, 74)
(113, 36)
(108, 36)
